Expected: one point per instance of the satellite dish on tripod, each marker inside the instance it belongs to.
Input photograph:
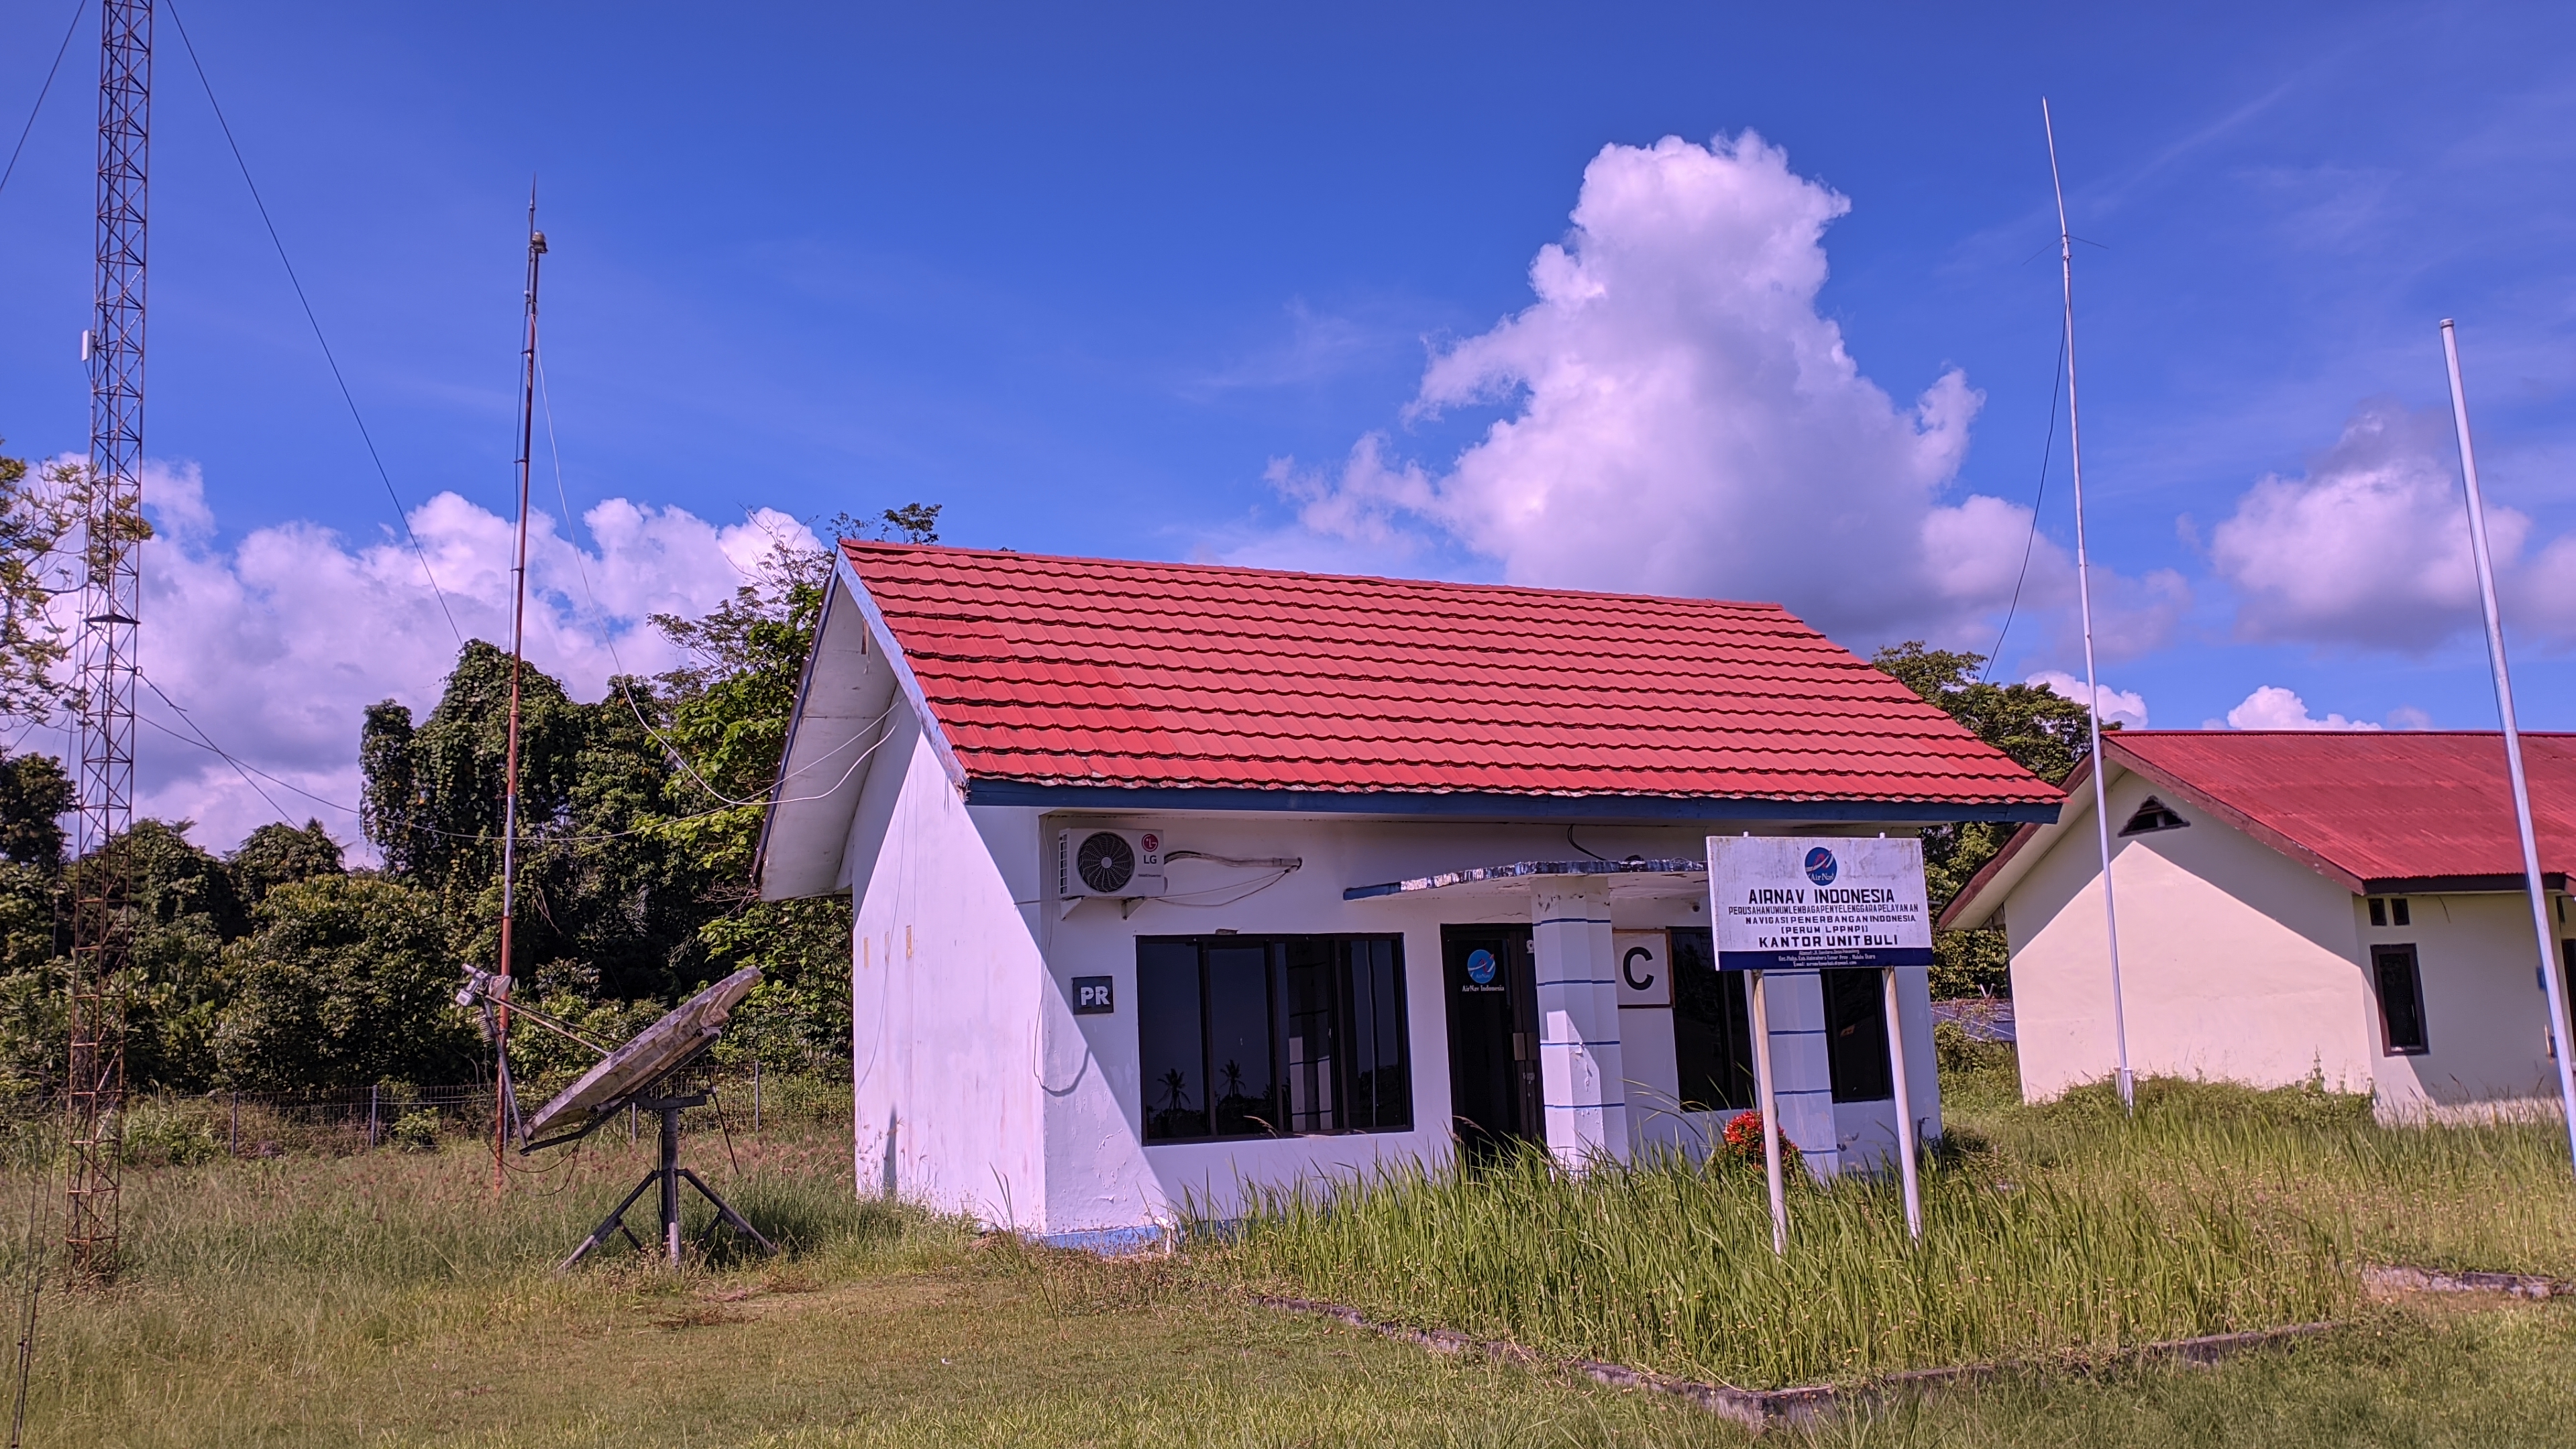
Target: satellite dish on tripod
(642, 1075)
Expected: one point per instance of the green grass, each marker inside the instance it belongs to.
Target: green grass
(2063, 1232)
(390, 1299)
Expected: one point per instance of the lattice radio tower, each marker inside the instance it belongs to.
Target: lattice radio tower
(104, 659)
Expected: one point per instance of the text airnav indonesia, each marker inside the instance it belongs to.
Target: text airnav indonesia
(1806, 902)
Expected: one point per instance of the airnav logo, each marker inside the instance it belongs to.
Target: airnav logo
(1821, 867)
(1480, 967)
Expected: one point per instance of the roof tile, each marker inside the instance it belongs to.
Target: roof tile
(1104, 672)
(2393, 805)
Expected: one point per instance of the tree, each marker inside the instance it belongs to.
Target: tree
(34, 795)
(41, 509)
(729, 710)
(277, 853)
(347, 980)
(180, 911)
(915, 522)
(2043, 732)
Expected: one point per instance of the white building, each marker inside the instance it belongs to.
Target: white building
(1171, 878)
(2343, 905)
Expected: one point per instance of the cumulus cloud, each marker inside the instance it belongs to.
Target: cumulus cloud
(2273, 708)
(274, 646)
(2118, 706)
(1679, 418)
(2371, 546)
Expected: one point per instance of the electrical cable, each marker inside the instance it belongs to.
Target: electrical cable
(316, 323)
(79, 8)
(191, 723)
(2047, 450)
(582, 567)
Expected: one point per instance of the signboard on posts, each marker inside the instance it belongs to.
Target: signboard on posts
(1782, 902)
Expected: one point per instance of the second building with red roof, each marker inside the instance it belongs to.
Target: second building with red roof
(2343, 907)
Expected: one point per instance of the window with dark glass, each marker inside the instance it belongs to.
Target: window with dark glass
(1856, 1035)
(1712, 1027)
(1272, 1036)
(2401, 1000)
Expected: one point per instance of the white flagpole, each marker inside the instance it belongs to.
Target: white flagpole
(2553, 984)
(2084, 596)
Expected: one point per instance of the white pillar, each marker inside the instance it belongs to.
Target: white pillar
(1580, 1074)
(1801, 1072)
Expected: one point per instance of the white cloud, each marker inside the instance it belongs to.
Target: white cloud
(2118, 706)
(1681, 419)
(275, 645)
(2273, 708)
(2371, 545)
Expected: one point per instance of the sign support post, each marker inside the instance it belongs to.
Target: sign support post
(1826, 903)
(1905, 1163)
(1770, 1109)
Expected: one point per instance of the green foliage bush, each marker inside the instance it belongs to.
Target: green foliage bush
(415, 1131)
(160, 1132)
(346, 982)
(2042, 732)
(277, 968)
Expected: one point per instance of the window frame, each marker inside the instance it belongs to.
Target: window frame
(1692, 948)
(1881, 1065)
(2383, 955)
(1281, 1009)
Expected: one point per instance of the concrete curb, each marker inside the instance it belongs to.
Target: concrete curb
(1762, 1409)
(2397, 1278)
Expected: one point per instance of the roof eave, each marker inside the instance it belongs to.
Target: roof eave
(1480, 805)
(1983, 895)
(882, 633)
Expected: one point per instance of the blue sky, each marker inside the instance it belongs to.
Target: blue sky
(1086, 278)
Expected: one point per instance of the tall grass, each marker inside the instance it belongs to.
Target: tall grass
(2068, 1229)
(323, 1265)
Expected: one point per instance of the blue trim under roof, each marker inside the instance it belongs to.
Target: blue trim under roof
(1605, 809)
(1525, 870)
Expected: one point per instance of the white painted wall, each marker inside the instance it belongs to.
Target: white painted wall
(1006, 1105)
(2240, 963)
(945, 994)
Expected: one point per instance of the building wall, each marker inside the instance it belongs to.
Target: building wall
(2236, 961)
(1103, 1178)
(2240, 963)
(979, 1091)
(945, 998)
(2485, 1014)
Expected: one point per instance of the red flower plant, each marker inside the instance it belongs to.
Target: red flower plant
(1743, 1142)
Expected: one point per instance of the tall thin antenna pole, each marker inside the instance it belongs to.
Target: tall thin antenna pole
(104, 664)
(518, 663)
(2553, 982)
(2084, 596)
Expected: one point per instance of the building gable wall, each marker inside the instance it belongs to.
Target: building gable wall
(945, 995)
(2236, 962)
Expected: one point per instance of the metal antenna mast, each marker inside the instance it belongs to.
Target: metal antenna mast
(104, 660)
(518, 661)
(2084, 594)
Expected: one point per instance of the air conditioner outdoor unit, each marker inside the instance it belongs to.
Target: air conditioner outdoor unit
(1120, 863)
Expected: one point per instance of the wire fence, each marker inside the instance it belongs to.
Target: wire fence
(163, 1127)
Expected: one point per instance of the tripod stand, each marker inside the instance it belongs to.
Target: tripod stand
(667, 1177)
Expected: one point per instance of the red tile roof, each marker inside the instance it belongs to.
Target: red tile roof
(2381, 810)
(1094, 672)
